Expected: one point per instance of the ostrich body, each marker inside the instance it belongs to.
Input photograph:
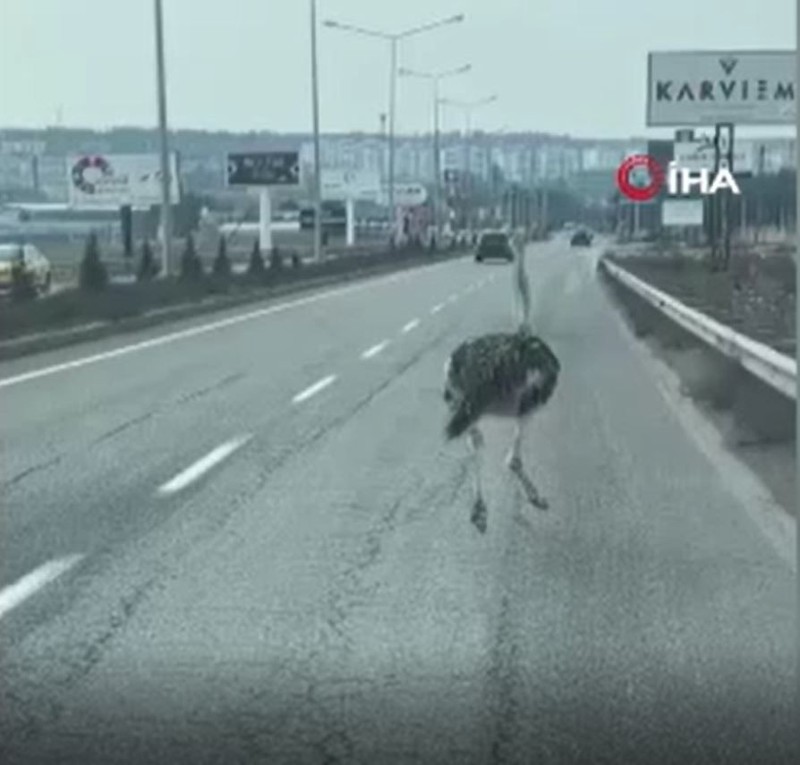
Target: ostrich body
(510, 374)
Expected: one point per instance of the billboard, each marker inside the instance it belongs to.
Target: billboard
(687, 88)
(351, 184)
(263, 168)
(102, 181)
(407, 194)
(682, 212)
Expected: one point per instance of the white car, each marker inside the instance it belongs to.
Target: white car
(32, 261)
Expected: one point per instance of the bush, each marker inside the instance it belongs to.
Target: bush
(148, 267)
(256, 267)
(93, 274)
(191, 266)
(276, 259)
(222, 263)
(22, 283)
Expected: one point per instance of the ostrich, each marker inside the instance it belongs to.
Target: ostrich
(511, 374)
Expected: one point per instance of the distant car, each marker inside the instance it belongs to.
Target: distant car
(581, 239)
(494, 245)
(32, 262)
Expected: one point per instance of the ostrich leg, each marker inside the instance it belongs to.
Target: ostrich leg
(514, 462)
(479, 512)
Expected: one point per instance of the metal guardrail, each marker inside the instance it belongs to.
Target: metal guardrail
(776, 369)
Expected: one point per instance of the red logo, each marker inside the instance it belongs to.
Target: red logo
(640, 165)
(82, 165)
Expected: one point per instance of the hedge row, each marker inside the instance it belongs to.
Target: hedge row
(106, 301)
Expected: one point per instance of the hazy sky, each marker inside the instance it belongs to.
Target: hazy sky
(564, 66)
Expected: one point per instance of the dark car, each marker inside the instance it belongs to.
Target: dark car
(334, 217)
(581, 239)
(494, 245)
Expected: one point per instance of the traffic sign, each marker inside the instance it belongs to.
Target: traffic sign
(350, 184)
(409, 194)
(700, 155)
(269, 168)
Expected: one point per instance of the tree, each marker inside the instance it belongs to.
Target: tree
(276, 260)
(148, 268)
(191, 266)
(256, 267)
(93, 274)
(22, 284)
(222, 263)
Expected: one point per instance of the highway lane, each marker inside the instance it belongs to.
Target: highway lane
(316, 593)
(89, 441)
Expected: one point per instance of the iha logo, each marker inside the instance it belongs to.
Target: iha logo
(641, 178)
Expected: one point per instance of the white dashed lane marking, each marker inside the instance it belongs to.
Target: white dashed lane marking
(17, 593)
(437, 308)
(197, 469)
(375, 350)
(367, 284)
(312, 390)
(413, 324)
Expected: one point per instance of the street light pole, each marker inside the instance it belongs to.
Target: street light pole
(797, 230)
(468, 107)
(166, 217)
(437, 169)
(393, 39)
(392, 108)
(317, 157)
(436, 78)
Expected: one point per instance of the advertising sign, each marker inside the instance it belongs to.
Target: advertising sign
(351, 184)
(266, 168)
(103, 181)
(687, 88)
(682, 212)
(408, 194)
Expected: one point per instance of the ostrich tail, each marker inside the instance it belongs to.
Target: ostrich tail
(459, 423)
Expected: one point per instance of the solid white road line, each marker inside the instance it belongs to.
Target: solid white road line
(210, 327)
(375, 350)
(21, 590)
(437, 308)
(312, 390)
(413, 324)
(203, 465)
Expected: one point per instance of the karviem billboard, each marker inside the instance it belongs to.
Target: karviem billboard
(688, 88)
(103, 181)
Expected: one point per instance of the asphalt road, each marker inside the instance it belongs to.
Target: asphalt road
(244, 541)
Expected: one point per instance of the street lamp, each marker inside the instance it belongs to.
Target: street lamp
(166, 220)
(317, 158)
(469, 107)
(436, 78)
(393, 38)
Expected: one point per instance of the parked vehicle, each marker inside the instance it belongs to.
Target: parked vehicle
(30, 259)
